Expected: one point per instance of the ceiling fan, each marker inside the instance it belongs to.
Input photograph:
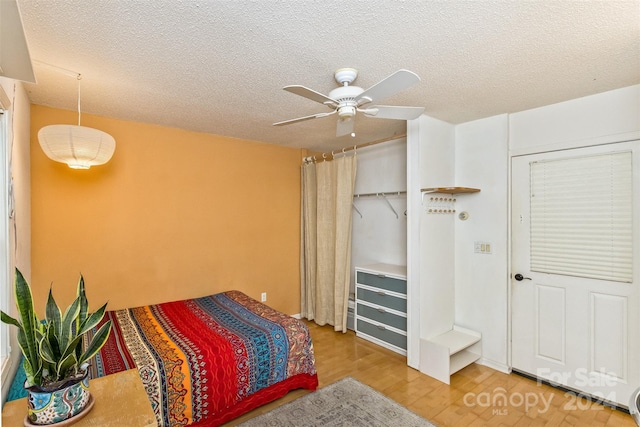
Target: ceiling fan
(347, 100)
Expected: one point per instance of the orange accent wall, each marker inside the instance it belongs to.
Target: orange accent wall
(175, 214)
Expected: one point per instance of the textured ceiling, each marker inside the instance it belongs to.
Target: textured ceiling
(218, 66)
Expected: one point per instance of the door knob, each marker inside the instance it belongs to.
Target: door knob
(519, 277)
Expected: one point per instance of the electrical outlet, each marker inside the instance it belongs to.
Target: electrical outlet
(263, 297)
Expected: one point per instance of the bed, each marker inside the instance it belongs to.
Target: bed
(208, 360)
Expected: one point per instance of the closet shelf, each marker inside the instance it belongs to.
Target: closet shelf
(450, 190)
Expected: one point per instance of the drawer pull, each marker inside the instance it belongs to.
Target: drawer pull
(382, 310)
(382, 328)
(382, 293)
(381, 276)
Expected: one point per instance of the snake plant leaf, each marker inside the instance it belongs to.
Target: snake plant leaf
(32, 379)
(22, 343)
(46, 352)
(84, 310)
(53, 340)
(24, 301)
(9, 320)
(71, 350)
(41, 326)
(52, 312)
(93, 319)
(84, 305)
(98, 340)
(32, 367)
(53, 317)
(67, 324)
(64, 366)
(39, 335)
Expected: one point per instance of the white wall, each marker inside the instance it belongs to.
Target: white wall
(430, 257)
(19, 241)
(483, 152)
(437, 160)
(607, 117)
(378, 236)
(481, 281)
(413, 241)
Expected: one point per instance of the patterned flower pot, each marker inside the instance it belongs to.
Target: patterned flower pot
(46, 408)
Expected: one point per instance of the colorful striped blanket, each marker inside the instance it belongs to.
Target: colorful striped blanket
(205, 361)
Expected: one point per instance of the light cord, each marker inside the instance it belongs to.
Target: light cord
(79, 78)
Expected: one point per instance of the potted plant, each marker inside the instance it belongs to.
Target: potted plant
(56, 353)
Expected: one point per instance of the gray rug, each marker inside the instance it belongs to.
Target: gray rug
(343, 403)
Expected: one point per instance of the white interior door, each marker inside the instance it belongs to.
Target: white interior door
(575, 298)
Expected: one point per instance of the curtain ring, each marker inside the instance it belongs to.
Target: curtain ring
(324, 156)
(343, 151)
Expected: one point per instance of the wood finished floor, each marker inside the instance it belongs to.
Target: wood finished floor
(340, 355)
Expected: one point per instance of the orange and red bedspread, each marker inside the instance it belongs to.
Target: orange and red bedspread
(208, 360)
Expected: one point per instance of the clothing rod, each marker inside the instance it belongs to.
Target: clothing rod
(385, 194)
(330, 155)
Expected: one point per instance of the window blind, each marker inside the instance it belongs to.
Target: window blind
(581, 216)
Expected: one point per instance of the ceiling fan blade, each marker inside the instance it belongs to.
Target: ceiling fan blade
(302, 119)
(392, 112)
(311, 94)
(345, 127)
(396, 82)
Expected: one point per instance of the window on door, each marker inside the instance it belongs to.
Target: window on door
(581, 216)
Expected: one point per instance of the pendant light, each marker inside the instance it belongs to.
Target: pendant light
(80, 147)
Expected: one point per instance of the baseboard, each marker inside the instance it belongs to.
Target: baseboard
(5, 366)
(501, 367)
(350, 316)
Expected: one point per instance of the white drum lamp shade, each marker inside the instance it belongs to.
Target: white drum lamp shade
(79, 147)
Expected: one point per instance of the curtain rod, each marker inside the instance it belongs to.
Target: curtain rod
(329, 156)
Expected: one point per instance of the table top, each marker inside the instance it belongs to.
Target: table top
(120, 400)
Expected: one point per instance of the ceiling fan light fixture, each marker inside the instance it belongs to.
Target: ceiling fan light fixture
(346, 100)
(346, 113)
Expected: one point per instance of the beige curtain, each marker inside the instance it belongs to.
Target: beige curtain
(325, 250)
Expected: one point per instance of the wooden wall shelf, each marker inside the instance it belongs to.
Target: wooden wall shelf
(450, 190)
